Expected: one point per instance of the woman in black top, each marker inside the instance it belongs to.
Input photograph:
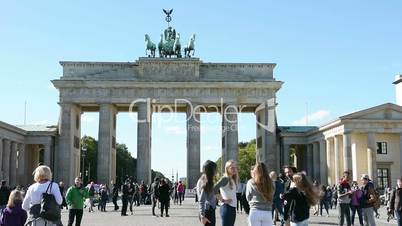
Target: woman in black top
(300, 197)
(395, 203)
(164, 197)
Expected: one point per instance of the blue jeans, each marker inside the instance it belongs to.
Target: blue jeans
(359, 214)
(228, 214)
(398, 215)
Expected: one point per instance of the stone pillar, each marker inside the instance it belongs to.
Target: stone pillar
(47, 154)
(1, 156)
(372, 157)
(193, 146)
(323, 168)
(316, 161)
(309, 161)
(329, 165)
(286, 154)
(230, 149)
(68, 154)
(13, 164)
(266, 135)
(347, 153)
(6, 160)
(106, 143)
(354, 162)
(144, 142)
(22, 176)
(400, 154)
(337, 141)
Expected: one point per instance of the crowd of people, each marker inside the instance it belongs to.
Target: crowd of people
(268, 197)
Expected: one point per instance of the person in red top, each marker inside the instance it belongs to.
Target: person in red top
(180, 190)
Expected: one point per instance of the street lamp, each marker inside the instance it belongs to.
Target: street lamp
(84, 154)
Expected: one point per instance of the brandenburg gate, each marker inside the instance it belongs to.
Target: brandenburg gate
(151, 85)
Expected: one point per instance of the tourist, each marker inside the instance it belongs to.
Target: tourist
(75, 197)
(239, 205)
(259, 193)
(289, 171)
(356, 203)
(154, 194)
(104, 198)
(124, 197)
(143, 192)
(164, 197)
(368, 201)
(395, 202)
(180, 192)
(206, 192)
(115, 196)
(61, 187)
(33, 196)
(136, 194)
(301, 196)
(325, 199)
(13, 214)
(277, 204)
(91, 189)
(4, 195)
(176, 194)
(131, 191)
(344, 192)
(227, 186)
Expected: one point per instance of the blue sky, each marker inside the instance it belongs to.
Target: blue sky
(336, 56)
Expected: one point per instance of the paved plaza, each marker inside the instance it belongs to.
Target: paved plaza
(185, 215)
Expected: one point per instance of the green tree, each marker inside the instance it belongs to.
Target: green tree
(90, 158)
(125, 163)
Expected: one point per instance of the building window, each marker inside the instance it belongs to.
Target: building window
(381, 147)
(383, 178)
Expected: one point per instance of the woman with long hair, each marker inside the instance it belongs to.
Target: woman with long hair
(301, 196)
(259, 193)
(14, 214)
(206, 194)
(227, 187)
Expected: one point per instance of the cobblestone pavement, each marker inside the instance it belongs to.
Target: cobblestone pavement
(185, 215)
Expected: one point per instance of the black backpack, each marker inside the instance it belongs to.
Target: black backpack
(50, 210)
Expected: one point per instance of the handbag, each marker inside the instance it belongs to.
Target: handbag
(50, 209)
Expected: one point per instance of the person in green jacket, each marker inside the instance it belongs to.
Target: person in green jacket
(75, 198)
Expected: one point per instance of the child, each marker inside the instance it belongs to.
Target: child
(14, 214)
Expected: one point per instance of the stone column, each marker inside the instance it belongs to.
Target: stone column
(1, 156)
(316, 161)
(372, 157)
(400, 152)
(347, 153)
(354, 162)
(329, 166)
(13, 164)
(6, 160)
(144, 142)
(337, 141)
(266, 134)
(193, 146)
(106, 143)
(67, 156)
(286, 154)
(230, 150)
(323, 168)
(21, 165)
(309, 161)
(47, 154)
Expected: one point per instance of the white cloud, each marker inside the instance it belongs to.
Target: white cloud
(88, 118)
(176, 130)
(313, 118)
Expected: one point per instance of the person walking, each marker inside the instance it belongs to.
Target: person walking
(75, 198)
(344, 192)
(115, 196)
(206, 193)
(91, 197)
(277, 205)
(325, 199)
(154, 194)
(164, 197)
(33, 197)
(368, 201)
(356, 203)
(301, 196)
(13, 214)
(395, 202)
(4, 195)
(227, 186)
(180, 192)
(176, 194)
(61, 187)
(104, 198)
(131, 192)
(239, 205)
(124, 197)
(260, 193)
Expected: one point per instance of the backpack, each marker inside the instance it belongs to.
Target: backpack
(377, 200)
(50, 209)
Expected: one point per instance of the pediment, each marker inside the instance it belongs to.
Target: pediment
(386, 111)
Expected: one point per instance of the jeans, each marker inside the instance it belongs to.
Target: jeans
(359, 213)
(210, 215)
(277, 206)
(164, 206)
(154, 202)
(368, 216)
(301, 223)
(124, 207)
(325, 204)
(344, 212)
(228, 214)
(259, 218)
(398, 215)
(77, 214)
